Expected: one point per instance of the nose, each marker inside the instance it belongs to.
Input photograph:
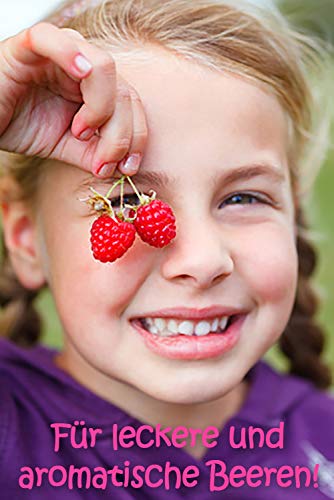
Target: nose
(199, 255)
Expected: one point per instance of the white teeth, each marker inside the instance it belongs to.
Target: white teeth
(160, 323)
(223, 322)
(202, 328)
(215, 324)
(172, 326)
(186, 327)
(169, 327)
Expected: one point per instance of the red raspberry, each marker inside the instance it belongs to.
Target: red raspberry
(110, 239)
(155, 223)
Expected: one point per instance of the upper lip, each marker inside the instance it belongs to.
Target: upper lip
(193, 313)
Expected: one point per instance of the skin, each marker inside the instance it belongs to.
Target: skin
(202, 124)
(97, 118)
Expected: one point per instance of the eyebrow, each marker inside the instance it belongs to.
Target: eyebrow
(243, 172)
(155, 179)
(159, 180)
(247, 172)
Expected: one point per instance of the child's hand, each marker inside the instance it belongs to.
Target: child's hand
(60, 98)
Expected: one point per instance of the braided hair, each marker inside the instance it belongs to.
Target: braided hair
(19, 319)
(303, 339)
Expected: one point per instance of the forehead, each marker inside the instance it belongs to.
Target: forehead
(195, 113)
(202, 123)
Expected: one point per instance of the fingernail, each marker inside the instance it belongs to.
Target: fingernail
(132, 164)
(82, 64)
(106, 170)
(86, 134)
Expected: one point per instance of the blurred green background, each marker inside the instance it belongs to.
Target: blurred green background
(316, 16)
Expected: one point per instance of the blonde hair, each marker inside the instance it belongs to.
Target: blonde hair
(254, 43)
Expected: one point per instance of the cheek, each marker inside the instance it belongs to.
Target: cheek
(88, 284)
(270, 264)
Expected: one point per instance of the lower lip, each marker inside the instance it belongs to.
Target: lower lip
(192, 347)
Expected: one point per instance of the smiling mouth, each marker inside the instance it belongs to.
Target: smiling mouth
(190, 339)
(173, 327)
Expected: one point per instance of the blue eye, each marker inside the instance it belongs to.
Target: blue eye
(242, 199)
(129, 199)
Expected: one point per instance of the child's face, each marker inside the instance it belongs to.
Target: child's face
(202, 127)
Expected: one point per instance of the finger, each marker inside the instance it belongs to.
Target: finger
(45, 41)
(74, 33)
(130, 164)
(115, 135)
(98, 91)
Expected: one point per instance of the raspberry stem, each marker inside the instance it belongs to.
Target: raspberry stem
(122, 194)
(120, 181)
(134, 188)
(143, 200)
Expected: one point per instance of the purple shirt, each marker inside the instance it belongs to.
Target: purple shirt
(35, 393)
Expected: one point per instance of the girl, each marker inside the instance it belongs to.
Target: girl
(159, 391)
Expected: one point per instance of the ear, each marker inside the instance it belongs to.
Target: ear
(21, 240)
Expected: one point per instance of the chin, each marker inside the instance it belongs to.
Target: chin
(191, 394)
